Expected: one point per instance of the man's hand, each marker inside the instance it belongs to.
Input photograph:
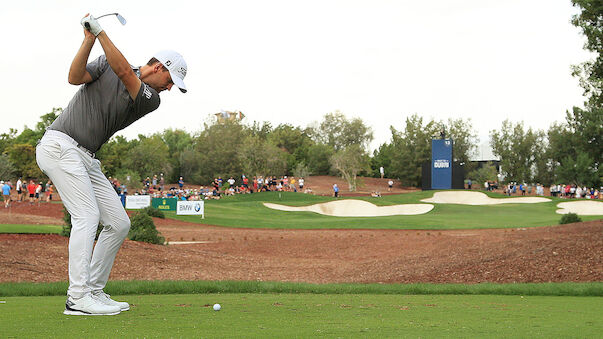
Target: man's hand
(89, 23)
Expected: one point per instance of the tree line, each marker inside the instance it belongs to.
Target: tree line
(569, 152)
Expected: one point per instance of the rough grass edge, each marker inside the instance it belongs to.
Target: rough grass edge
(133, 287)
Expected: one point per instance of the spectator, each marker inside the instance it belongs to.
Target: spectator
(335, 190)
(161, 182)
(48, 191)
(6, 187)
(39, 189)
(390, 184)
(180, 183)
(468, 183)
(231, 182)
(31, 189)
(155, 181)
(301, 182)
(260, 183)
(382, 172)
(20, 190)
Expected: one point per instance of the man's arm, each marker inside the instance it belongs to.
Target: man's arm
(77, 72)
(120, 65)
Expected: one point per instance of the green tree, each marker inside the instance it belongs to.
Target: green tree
(260, 157)
(294, 141)
(411, 148)
(318, 159)
(382, 156)
(216, 150)
(485, 173)
(586, 127)
(578, 171)
(148, 156)
(590, 73)
(338, 132)
(23, 157)
(7, 140)
(177, 141)
(350, 162)
(113, 154)
(7, 168)
(516, 149)
(464, 141)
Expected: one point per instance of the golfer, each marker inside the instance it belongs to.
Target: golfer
(113, 96)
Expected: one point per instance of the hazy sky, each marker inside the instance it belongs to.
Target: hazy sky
(292, 62)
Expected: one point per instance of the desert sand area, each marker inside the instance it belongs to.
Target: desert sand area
(478, 198)
(583, 207)
(571, 252)
(355, 208)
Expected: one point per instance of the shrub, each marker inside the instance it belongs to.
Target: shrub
(154, 212)
(143, 229)
(66, 231)
(569, 218)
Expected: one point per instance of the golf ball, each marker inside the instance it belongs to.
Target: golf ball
(217, 307)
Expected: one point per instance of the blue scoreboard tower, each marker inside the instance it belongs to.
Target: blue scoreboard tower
(441, 163)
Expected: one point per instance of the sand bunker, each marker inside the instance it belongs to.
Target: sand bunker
(583, 207)
(478, 198)
(356, 208)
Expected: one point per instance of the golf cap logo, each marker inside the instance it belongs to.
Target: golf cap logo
(168, 63)
(182, 71)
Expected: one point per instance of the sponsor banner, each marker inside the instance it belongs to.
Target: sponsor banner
(165, 204)
(441, 164)
(191, 208)
(136, 202)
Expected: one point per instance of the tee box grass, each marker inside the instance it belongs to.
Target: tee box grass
(312, 315)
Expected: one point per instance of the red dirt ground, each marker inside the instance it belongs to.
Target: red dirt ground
(561, 253)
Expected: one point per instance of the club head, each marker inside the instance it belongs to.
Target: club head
(121, 18)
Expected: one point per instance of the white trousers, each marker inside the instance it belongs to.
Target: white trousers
(89, 198)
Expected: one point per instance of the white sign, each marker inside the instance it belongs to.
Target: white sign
(441, 164)
(137, 202)
(191, 208)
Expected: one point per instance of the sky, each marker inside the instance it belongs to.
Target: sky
(294, 61)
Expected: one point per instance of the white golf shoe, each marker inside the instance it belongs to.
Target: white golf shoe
(106, 299)
(89, 305)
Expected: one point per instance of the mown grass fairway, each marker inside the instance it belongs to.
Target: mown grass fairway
(37, 229)
(310, 315)
(247, 211)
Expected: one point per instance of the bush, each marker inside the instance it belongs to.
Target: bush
(153, 212)
(569, 218)
(143, 229)
(66, 231)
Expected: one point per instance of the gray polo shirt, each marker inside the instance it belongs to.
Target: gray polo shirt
(103, 106)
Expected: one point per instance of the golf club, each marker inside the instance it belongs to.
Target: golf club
(121, 19)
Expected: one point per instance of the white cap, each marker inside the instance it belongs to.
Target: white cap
(176, 65)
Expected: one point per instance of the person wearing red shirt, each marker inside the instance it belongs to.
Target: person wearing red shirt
(31, 188)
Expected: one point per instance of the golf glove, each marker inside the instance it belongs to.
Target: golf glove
(92, 25)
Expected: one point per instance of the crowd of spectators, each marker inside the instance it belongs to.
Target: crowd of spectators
(32, 191)
(155, 187)
(559, 190)
(575, 191)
